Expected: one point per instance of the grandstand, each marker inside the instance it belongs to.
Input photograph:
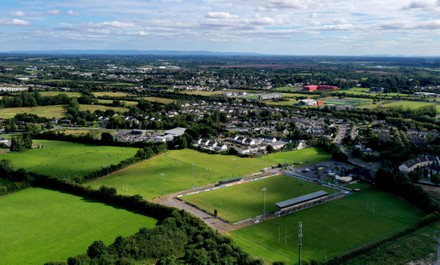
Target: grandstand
(301, 202)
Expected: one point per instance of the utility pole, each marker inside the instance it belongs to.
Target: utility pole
(300, 235)
(194, 184)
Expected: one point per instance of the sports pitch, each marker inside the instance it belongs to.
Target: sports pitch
(247, 200)
(330, 229)
(67, 160)
(40, 225)
(173, 171)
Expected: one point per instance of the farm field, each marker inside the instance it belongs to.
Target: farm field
(93, 108)
(67, 160)
(243, 201)
(56, 111)
(412, 105)
(111, 94)
(41, 225)
(55, 93)
(348, 101)
(172, 171)
(324, 227)
(289, 102)
(159, 100)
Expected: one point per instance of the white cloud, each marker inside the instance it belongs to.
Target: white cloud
(116, 24)
(220, 15)
(18, 14)
(54, 12)
(14, 22)
(72, 13)
(290, 4)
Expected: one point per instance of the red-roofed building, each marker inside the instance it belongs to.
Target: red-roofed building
(320, 87)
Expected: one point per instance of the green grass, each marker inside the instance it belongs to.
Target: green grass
(56, 111)
(159, 100)
(111, 94)
(348, 101)
(412, 105)
(245, 201)
(93, 108)
(55, 93)
(41, 225)
(110, 101)
(420, 245)
(330, 229)
(67, 160)
(145, 177)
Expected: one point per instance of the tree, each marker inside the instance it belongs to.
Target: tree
(435, 178)
(107, 138)
(17, 144)
(97, 249)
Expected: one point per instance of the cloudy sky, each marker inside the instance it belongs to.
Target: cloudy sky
(291, 27)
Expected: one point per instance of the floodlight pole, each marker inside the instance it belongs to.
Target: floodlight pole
(161, 177)
(264, 200)
(300, 234)
(193, 177)
(233, 167)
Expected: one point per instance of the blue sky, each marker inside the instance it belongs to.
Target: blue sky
(291, 27)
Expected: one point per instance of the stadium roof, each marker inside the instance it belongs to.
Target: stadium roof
(300, 199)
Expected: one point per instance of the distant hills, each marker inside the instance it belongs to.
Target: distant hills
(133, 52)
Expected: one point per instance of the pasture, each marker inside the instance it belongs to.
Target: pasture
(67, 160)
(410, 105)
(93, 108)
(159, 100)
(173, 171)
(246, 200)
(111, 94)
(56, 111)
(330, 229)
(348, 101)
(55, 93)
(42, 225)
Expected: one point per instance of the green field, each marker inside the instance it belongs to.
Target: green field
(159, 100)
(330, 229)
(245, 201)
(348, 101)
(41, 225)
(111, 94)
(420, 245)
(67, 160)
(55, 93)
(412, 105)
(93, 108)
(56, 111)
(172, 171)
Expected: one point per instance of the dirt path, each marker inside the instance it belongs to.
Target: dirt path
(213, 222)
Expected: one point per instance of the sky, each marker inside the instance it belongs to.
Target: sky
(284, 27)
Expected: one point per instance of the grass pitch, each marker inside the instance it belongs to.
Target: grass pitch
(329, 229)
(246, 200)
(411, 105)
(56, 111)
(41, 225)
(173, 171)
(67, 160)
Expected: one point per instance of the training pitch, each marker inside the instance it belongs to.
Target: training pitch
(67, 160)
(40, 225)
(180, 170)
(330, 229)
(248, 200)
